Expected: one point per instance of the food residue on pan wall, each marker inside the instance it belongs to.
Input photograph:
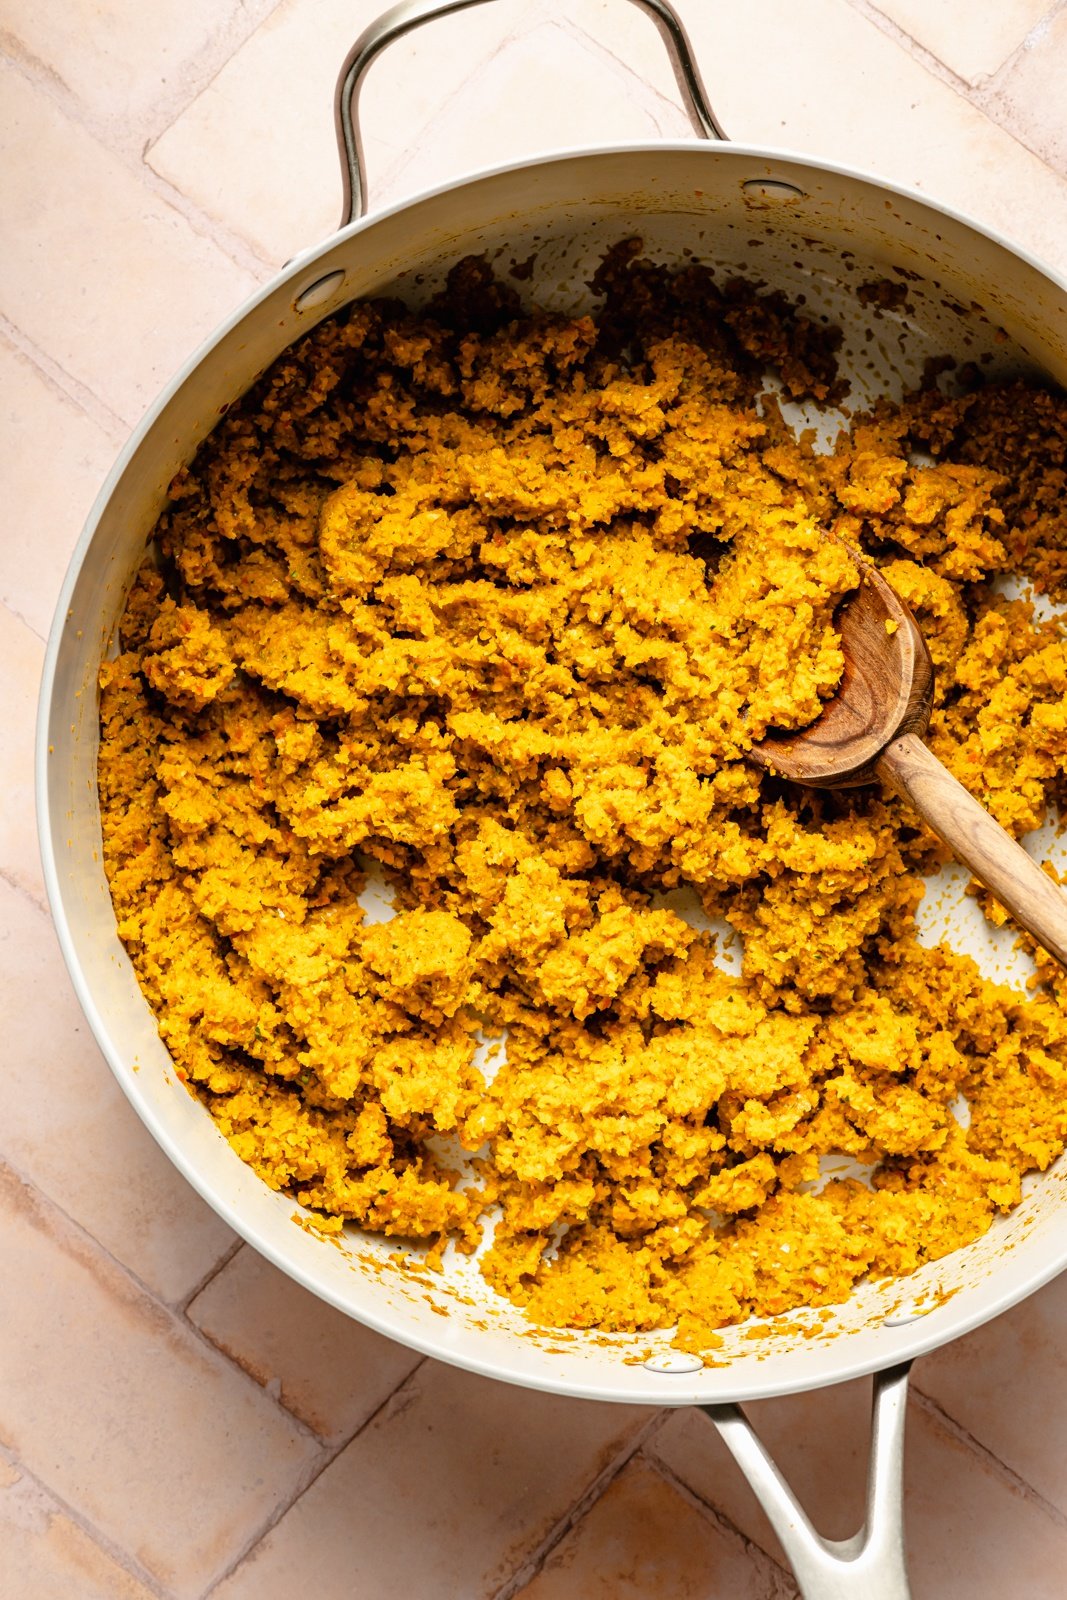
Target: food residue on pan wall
(499, 600)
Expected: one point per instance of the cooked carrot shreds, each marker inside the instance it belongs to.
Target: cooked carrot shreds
(499, 599)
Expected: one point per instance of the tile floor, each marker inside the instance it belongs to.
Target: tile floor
(176, 1419)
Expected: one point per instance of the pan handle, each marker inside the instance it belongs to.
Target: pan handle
(410, 14)
(870, 1565)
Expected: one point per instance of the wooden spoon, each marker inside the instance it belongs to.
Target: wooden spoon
(870, 731)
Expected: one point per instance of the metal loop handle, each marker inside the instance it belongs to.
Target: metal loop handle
(870, 1565)
(410, 14)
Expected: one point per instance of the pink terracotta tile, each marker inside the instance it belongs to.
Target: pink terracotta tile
(971, 40)
(1007, 1385)
(21, 654)
(53, 459)
(1029, 97)
(643, 1540)
(121, 59)
(66, 1124)
(445, 1494)
(289, 197)
(125, 1414)
(969, 1530)
(329, 1370)
(108, 280)
(44, 1555)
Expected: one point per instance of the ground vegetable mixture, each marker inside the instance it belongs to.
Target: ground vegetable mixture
(500, 600)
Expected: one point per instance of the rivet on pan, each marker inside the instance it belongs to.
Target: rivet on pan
(901, 1318)
(317, 293)
(674, 1361)
(771, 189)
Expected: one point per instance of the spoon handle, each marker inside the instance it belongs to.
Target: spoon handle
(977, 840)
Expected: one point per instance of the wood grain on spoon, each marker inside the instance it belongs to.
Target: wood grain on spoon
(871, 731)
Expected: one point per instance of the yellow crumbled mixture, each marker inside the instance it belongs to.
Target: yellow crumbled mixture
(499, 600)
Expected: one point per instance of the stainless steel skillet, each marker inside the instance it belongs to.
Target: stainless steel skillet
(805, 227)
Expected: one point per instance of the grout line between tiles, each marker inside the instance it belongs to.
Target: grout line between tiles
(81, 1238)
(314, 1472)
(193, 74)
(123, 1558)
(218, 1354)
(15, 53)
(780, 1584)
(182, 1309)
(182, 1306)
(230, 241)
(722, 1520)
(70, 1233)
(483, 67)
(584, 1503)
(58, 379)
(1025, 45)
(42, 638)
(911, 47)
(586, 37)
(240, 250)
(9, 877)
(1014, 1480)
(135, 163)
(326, 1453)
(988, 94)
(983, 95)
(467, 87)
(212, 58)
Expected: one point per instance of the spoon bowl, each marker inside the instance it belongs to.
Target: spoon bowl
(871, 731)
(886, 690)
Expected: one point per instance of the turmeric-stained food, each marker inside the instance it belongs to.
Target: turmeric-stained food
(499, 600)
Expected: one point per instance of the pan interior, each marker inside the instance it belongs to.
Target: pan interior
(967, 297)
